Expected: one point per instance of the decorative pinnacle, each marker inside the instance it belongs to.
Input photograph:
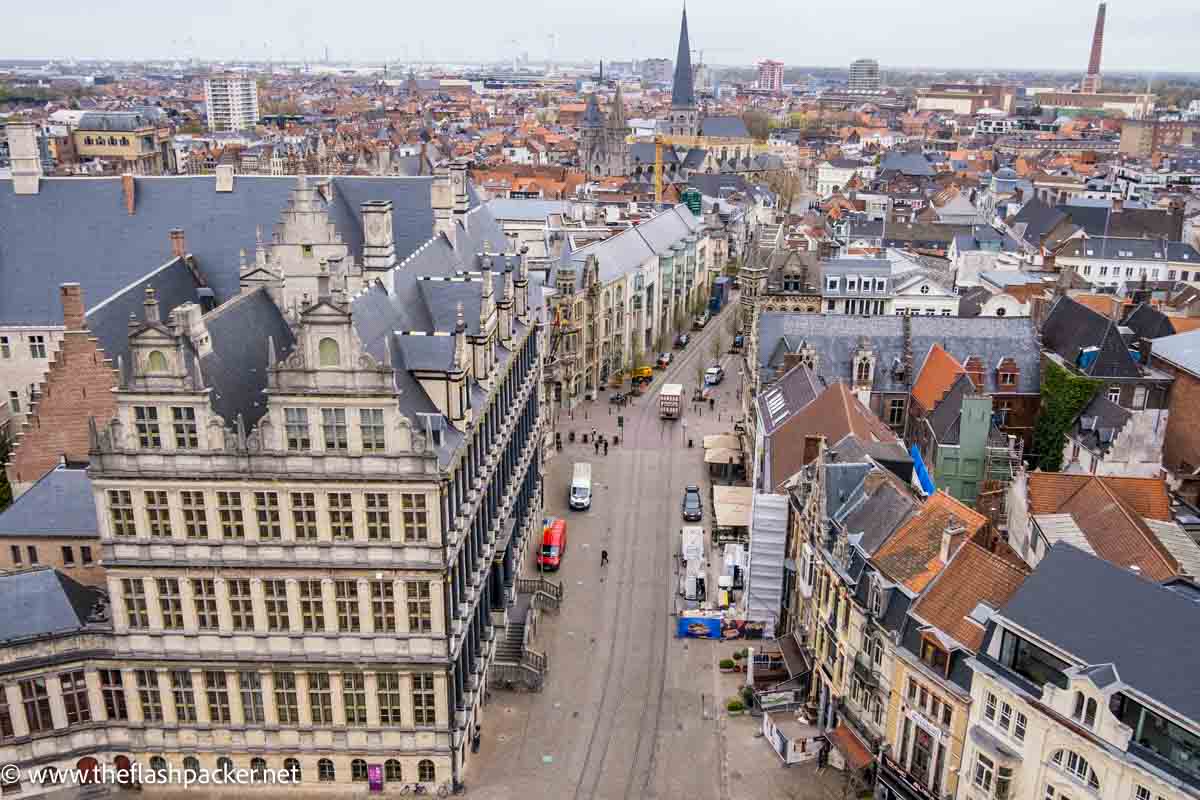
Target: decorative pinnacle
(461, 319)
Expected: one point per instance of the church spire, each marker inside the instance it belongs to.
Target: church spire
(683, 95)
(616, 115)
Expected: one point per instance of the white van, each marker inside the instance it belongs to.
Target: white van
(581, 487)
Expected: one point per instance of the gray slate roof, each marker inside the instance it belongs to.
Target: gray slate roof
(1112, 248)
(1070, 327)
(906, 163)
(724, 127)
(1182, 349)
(236, 369)
(59, 504)
(43, 602)
(1098, 613)
(620, 254)
(77, 229)
(835, 337)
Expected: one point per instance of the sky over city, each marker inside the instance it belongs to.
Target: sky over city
(1150, 35)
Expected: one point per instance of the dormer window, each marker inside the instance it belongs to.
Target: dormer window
(328, 353)
(1085, 710)
(156, 362)
(935, 656)
(1008, 379)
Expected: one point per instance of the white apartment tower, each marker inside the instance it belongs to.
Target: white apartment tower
(864, 76)
(232, 102)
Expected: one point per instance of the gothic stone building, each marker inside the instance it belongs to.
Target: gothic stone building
(314, 501)
(603, 148)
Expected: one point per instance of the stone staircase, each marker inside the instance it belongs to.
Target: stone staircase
(516, 664)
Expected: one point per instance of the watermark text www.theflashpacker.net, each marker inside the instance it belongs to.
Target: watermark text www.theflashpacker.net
(137, 774)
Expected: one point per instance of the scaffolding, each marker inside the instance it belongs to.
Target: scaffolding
(1003, 461)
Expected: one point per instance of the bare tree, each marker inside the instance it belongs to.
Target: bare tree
(718, 346)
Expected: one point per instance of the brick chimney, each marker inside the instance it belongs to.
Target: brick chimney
(129, 191)
(71, 295)
(178, 243)
(25, 156)
(1118, 205)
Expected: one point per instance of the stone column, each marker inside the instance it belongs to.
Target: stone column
(339, 702)
(258, 602)
(95, 695)
(400, 595)
(152, 604)
(295, 622)
(439, 698)
(200, 695)
(133, 698)
(371, 685)
(302, 698)
(12, 695)
(237, 713)
(270, 712)
(58, 710)
(365, 619)
(166, 696)
(329, 605)
(224, 615)
(117, 599)
(191, 621)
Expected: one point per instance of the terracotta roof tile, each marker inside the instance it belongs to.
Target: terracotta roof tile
(912, 555)
(1117, 533)
(937, 375)
(1048, 491)
(1104, 304)
(973, 576)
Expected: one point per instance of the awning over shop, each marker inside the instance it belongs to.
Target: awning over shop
(731, 506)
(797, 662)
(851, 747)
(725, 441)
(721, 455)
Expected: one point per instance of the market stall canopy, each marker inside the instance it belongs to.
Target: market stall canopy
(731, 506)
(721, 455)
(719, 441)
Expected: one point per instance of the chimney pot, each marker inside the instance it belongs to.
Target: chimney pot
(71, 296)
(178, 243)
(129, 190)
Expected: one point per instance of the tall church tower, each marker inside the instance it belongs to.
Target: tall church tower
(619, 162)
(593, 144)
(603, 149)
(685, 117)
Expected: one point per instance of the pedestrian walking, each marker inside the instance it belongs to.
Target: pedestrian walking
(605, 445)
(711, 401)
(596, 444)
(593, 434)
(604, 558)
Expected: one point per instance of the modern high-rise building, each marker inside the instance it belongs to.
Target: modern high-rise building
(770, 75)
(1091, 81)
(864, 76)
(232, 102)
(656, 70)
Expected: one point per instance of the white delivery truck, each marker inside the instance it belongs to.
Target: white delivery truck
(692, 544)
(581, 486)
(670, 400)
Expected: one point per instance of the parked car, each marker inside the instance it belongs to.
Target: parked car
(681, 341)
(739, 342)
(693, 506)
(554, 545)
(714, 375)
(701, 320)
(664, 360)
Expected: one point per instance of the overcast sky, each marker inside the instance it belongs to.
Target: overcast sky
(1152, 35)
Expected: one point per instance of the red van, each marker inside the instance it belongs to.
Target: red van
(554, 545)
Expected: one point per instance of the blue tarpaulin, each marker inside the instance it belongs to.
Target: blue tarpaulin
(922, 473)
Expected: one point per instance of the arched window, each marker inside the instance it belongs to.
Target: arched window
(112, 140)
(292, 767)
(325, 771)
(1089, 715)
(191, 763)
(391, 770)
(258, 769)
(863, 373)
(224, 764)
(158, 764)
(426, 772)
(1074, 764)
(328, 353)
(1078, 712)
(156, 361)
(358, 770)
(87, 140)
(124, 140)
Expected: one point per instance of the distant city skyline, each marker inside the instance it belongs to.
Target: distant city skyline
(1153, 36)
